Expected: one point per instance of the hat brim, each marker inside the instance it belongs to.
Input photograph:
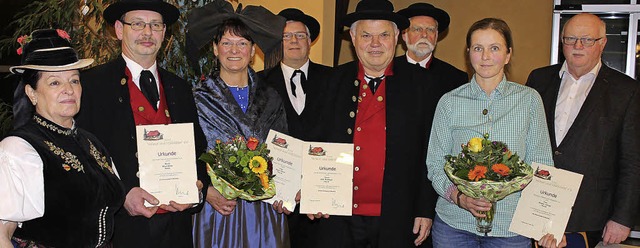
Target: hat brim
(312, 24)
(401, 21)
(170, 13)
(82, 63)
(441, 16)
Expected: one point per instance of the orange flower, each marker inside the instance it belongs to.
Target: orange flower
(252, 143)
(477, 173)
(501, 169)
(264, 180)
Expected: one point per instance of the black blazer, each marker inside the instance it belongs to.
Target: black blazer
(304, 126)
(106, 112)
(443, 72)
(412, 96)
(603, 144)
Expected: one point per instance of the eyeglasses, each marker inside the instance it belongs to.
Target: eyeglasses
(239, 44)
(140, 25)
(299, 36)
(430, 30)
(585, 41)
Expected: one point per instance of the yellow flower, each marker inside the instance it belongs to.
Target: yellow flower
(258, 164)
(264, 180)
(475, 144)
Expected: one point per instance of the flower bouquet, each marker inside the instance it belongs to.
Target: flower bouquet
(240, 168)
(487, 169)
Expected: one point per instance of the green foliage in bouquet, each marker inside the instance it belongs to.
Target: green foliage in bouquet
(487, 169)
(489, 160)
(241, 168)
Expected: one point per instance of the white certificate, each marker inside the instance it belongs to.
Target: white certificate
(545, 204)
(327, 179)
(286, 152)
(167, 162)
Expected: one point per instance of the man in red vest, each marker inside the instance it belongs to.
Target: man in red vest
(386, 112)
(132, 90)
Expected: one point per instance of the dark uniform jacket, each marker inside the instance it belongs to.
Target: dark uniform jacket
(602, 144)
(106, 112)
(305, 125)
(443, 72)
(411, 99)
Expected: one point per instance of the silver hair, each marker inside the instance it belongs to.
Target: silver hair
(305, 26)
(352, 28)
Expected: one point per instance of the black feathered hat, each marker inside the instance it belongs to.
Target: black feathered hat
(297, 15)
(376, 10)
(425, 9)
(169, 12)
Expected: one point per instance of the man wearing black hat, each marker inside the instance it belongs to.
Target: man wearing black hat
(297, 78)
(304, 84)
(385, 110)
(132, 90)
(426, 22)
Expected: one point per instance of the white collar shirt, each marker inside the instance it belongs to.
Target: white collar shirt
(573, 92)
(423, 63)
(136, 69)
(297, 101)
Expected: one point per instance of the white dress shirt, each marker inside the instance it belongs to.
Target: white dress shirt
(573, 92)
(297, 101)
(423, 63)
(136, 69)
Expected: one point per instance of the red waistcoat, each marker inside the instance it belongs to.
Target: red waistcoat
(143, 112)
(369, 141)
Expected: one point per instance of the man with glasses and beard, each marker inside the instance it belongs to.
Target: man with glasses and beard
(426, 21)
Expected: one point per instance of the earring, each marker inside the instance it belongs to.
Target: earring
(34, 102)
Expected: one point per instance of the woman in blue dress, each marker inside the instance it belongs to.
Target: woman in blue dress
(233, 102)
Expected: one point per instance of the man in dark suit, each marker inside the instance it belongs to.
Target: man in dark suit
(426, 22)
(132, 90)
(593, 114)
(386, 112)
(302, 85)
(298, 79)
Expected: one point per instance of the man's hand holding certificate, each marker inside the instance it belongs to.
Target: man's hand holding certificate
(545, 204)
(167, 162)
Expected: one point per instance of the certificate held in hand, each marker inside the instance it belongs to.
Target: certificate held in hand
(167, 162)
(545, 204)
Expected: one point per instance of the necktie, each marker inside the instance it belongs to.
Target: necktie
(149, 88)
(303, 79)
(374, 82)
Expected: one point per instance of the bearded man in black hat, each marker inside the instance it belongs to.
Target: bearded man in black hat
(426, 22)
(132, 90)
(386, 111)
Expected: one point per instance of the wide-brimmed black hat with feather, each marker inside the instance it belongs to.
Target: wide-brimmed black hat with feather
(425, 9)
(169, 12)
(312, 24)
(376, 10)
(265, 28)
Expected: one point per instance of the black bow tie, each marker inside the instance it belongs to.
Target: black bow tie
(374, 82)
(303, 79)
(149, 88)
